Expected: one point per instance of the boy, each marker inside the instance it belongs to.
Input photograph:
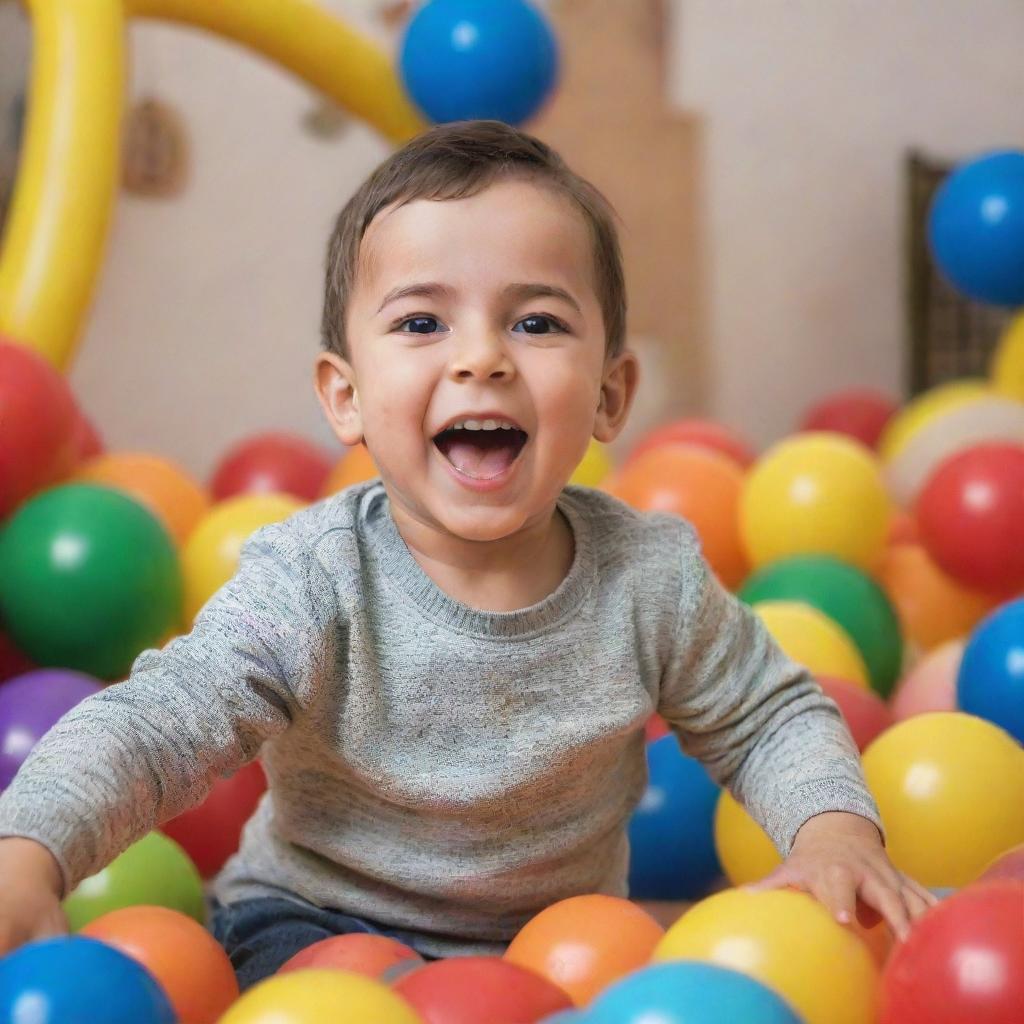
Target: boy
(447, 672)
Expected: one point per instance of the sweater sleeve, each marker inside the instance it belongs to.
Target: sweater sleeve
(144, 750)
(760, 724)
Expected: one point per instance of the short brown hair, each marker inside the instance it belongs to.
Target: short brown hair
(454, 161)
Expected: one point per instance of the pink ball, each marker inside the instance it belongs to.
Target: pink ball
(861, 415)
(931, 684)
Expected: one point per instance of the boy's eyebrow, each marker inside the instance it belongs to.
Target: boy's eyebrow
(519, 291)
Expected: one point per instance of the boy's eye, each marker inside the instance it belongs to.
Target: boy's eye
(421, 324)
(539, 324)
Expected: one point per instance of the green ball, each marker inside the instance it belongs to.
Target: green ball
(155, 871)
(88, 579)
(848, 597)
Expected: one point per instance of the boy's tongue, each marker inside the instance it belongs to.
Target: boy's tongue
(484, 457)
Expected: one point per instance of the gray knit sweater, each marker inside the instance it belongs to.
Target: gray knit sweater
(439, 769)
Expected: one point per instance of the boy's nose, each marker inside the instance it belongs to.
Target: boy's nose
(481, 358)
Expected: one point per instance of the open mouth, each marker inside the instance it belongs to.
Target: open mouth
(481, 452)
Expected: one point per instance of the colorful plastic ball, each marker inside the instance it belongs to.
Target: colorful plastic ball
(655, 728)
(188, 962)
(272, 464)
(459, 61)
(354, 467)
(155, 871)
(318, 997)
(976, 228)
(744, 849)
(931, 684)
(480, 990)
(846, 595)
(703, 434)
(1008, 361)
(1007, 865)
(924, 408)
(30, 705)
(177, 500)
(38, 417)
(13, 662)
(210, 557)
(671, 834)
(813, 640)
(584, 943)
(370, 955)
(703, 487)
(594, 468)
(88, 579)
(859, 414)
(211, 832)
(990, 683)
(815, 494)
(86, 441)
(950, 789)
(963, 961)
(971, 517)
(75, 980)
(902, 529)
(988, 418)
(786, 940)
(933, 607)
(689, 992)
(865, 713)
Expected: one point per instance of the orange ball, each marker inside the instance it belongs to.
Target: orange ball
(585, 943)
(179, 952)
(700, 485)
(177, 500)
(932, 606)
(355, 466)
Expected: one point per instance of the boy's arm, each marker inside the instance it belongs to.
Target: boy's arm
(759, 722)
(142, 751)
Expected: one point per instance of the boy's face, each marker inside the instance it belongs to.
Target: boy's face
(480, 309)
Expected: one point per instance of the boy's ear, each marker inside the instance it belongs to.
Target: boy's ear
(336, 390)
(618, 389)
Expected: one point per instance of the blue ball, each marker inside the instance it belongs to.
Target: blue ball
(976, 228)
(991, 679)
(672, 831)
(77, 980)
(495, 59)
(688, 992)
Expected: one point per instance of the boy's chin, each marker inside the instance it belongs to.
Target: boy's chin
(483, 523)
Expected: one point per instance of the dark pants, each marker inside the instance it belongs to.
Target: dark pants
(260, 935)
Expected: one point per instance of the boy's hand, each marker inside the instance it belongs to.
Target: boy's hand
(30, 885)
(838, 857)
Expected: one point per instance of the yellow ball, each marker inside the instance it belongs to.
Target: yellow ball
(815, 494)
(1008, 361)
(788, 941)
(320, 997)
(210, 556)
(594, 467)
(744, 849)
(950, 788)
(922, 410)
(814, 640)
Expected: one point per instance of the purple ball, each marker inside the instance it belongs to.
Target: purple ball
(29, 705)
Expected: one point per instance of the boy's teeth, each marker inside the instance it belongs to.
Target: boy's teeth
(482, 425)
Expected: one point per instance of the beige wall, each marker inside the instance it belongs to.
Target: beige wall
(206, 316)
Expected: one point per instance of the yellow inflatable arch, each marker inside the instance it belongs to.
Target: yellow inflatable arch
(70, 160)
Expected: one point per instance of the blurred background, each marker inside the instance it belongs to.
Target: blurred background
(765, 160)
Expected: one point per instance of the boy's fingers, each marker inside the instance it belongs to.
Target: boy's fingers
(776, 880)
(888, 902)
(917, 906)
(926, 894)
(838, 891)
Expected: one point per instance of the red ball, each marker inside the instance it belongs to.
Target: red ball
(703, 433)
(971, 517)
(370, 955)
(85, 439)
(861, 415)
(963, 961)
(280, 463)
(655, 728)
(37, 417)
(210, 832)
(480, 990)
(12, 661)
(866, 714)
